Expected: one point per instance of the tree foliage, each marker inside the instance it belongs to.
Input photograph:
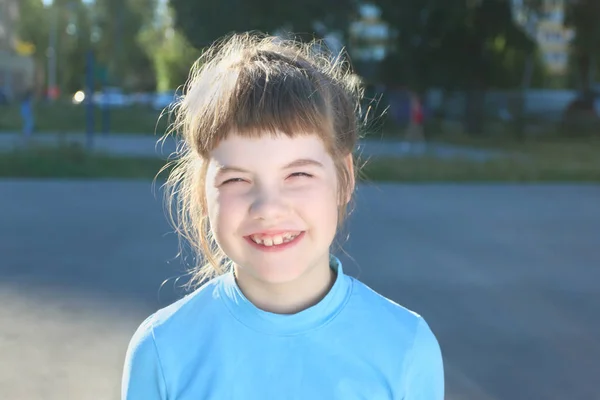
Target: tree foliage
(450, 43)
(121, 23)
(171, 53)
(454, 43)
(202, 22)
(33, 24)
(66, 21)
(32, 27)
(583, 17)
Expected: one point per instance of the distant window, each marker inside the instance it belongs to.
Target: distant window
(556, 16)
(556, 58)
(554, 37)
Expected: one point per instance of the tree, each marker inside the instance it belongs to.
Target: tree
(74, 33)
(583, 17)
(67, 20)
(202, 22)
(580, 117)
(454, 44)
(32, 27)
(171, 53)
(119, 51)
(74, 23)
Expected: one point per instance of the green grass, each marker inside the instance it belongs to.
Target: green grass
(546, 161)
(511, 170)
(63, 116)
(575, 161)
(73, 161)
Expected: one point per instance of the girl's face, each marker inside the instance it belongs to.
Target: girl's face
(272, 205)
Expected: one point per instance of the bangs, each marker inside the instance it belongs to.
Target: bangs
(284, 101)
(253, 99)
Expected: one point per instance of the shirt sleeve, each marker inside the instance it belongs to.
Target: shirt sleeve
(425, 370)
(143, 377)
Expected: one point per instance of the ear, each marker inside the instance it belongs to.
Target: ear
(349, 163)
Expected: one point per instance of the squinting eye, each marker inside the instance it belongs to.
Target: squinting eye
(300, 174)
(232, 180)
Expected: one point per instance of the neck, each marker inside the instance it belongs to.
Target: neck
(289, 297)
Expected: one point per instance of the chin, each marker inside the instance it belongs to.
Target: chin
(275, 273)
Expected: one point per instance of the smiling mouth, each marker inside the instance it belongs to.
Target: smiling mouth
(274, 240)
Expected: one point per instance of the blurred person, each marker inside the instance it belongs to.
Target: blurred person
(415, 128)
(261, 186)
(27, 112)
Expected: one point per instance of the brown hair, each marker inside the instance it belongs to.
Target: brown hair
(253, 85)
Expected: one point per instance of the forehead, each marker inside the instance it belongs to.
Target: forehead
(269, 149)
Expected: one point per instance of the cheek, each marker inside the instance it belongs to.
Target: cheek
(321, 201)
(224, 209)
(212, 205)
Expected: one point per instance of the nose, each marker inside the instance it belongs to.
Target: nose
(268, 204)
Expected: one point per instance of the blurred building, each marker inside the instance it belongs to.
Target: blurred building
(369, 35)
(369, 40)
(17, 67)
(9, 13)
(553, 38)
(548, 30)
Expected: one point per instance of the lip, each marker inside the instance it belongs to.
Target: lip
(274, 232)
(277, 248)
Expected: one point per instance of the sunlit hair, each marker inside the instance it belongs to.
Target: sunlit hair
(253, 85)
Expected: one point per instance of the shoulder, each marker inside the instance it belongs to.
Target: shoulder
(198, 304)
(401, 325)
(382, 307)
(158, 349)
(424, 376)
(406, 333)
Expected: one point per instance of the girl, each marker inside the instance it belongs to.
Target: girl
(263, 182)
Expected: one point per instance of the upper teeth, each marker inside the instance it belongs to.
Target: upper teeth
(275, 239)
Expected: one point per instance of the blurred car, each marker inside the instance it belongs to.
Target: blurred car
(109, 97)
(143, 99)
(164, 100)
(112, 97)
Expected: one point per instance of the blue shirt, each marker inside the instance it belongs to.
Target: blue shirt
(215, 344)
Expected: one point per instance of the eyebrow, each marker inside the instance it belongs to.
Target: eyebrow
(301, 162)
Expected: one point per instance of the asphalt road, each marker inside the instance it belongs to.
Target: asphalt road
(507, 276)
